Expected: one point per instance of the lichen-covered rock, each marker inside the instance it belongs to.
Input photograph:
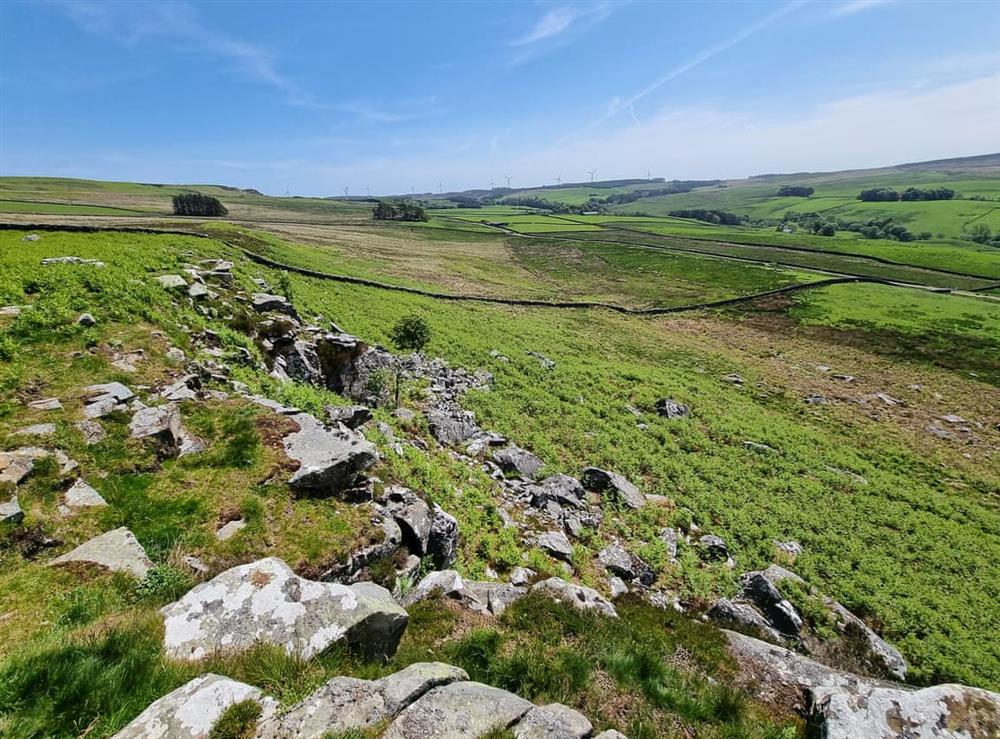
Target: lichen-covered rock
(10, 512)
(171, 282)
(604, 482)
(943, 711)
(352, 416)
(744, 617)
(266, 602)
(626, 565)
(190, 711)
(672, 409)
(556, 544)
(38, 429)
(560, 489)
(451, 428)
(578, 596)
(117, 550)
(442, 544)
(461, 710)
(345, 703)
(330, 460)
(554, 721)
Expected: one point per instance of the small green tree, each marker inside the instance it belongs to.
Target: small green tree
(411, 333)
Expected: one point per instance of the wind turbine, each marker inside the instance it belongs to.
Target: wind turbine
(649, 174)
(368, 190)
(346, 192)
(591, 172)
(440, 188)
(559, 178)
(508, 180)
(492, 185)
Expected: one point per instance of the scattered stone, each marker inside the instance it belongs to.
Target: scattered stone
(542, 360)
(10, 512)
(404, 414)
(791, 547)
(39, 429)
(556, 544)
(82, 495)
(521, 576)
(265, 601)
(164, 422)
(744, 617)
(602, 481)
(888, 399)
(231, 529)
(560, 489)
(669, 408)
(352, 416)
(953, 419)
(451, 428)
(610, 734)
(93, 432)
(816, 399)
(734, 379)
(263, 302)
(413, 516)
(554, 721)
(514, 460)
(669, 537)
(756, 446)
(86, 320)
(626, 565)
(117, 551)
(617, 587)
(49, 404)
(578, 596)
(176, 354)
(197, 291)
(171, 282)
(843, 378)
(190, 711)
(273, 405)
(330, 460)
(31, 237)
(10, 311)
(126, 362)
(714, 549)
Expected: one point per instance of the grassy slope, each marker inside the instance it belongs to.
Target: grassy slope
(915, 548)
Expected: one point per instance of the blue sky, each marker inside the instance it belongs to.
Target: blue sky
(314, 97)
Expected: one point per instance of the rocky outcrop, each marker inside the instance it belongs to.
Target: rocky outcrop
(266, 602)
(164, 423)
(626, 565)
(10, 511)
(190, 711)
(554, 721)
(82, 495)
(578, 596)
(117, 551)
(514, 460)
(613, 485)
(331, 461)
(840, 705)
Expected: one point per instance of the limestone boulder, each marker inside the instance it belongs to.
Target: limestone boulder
(461, 710)
(554, 721)
(330, 460)
(578, 596)
(190, 711)
(265, 601)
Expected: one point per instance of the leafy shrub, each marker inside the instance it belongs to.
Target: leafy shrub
(411, 333)
(163, 584)
(198, 204)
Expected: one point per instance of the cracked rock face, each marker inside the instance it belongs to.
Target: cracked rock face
(190, 711)
(578, 596)
(604, 482)
(554, 721)
(265, 601)
(330, 460)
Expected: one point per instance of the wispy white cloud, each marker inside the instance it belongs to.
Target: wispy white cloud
(556, 27)
(628, 103)
(850, 7)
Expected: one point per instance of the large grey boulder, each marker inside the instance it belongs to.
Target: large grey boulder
(263, 302)
(626, 565)
(451, 428)
(352, 416)
(446, 583)
(514, 460)
(672, 409)
(461, 710)
(604, 482)
(117, 551)
(330, 460)
(344, 703)
(554, 721)
(560, 489)
(764, 594)
(100, 400)
(943, 711)
(82, 495)
(412, 514)
(265, 601)
(190, 711)
(556, 544)
(482, 597)
(744, 617)
(171, 282)
(578, 596)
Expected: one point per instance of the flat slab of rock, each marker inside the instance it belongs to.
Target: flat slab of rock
(345, 703)
(93, 432)
(265, 601)
(81, 495)
(352, 416)
(330, 460)
(48, 404)
(38, 429)
(263, 302)
(100, 400)
(604, 482)
(190, 711)
(164, 422)
(231, 529)
(451, 429)
(117, 551)
(554, 721)
(578, 596)
(171, 282)
(556, 544)
(10, 512)
(462, 710)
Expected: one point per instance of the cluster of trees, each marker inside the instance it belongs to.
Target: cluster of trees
(934, 193)
(873, 228)
(398, 211)
(722, 217)
(887, 194)
(676, 187)
(198, 204)
(980, 233)
(798, 191)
